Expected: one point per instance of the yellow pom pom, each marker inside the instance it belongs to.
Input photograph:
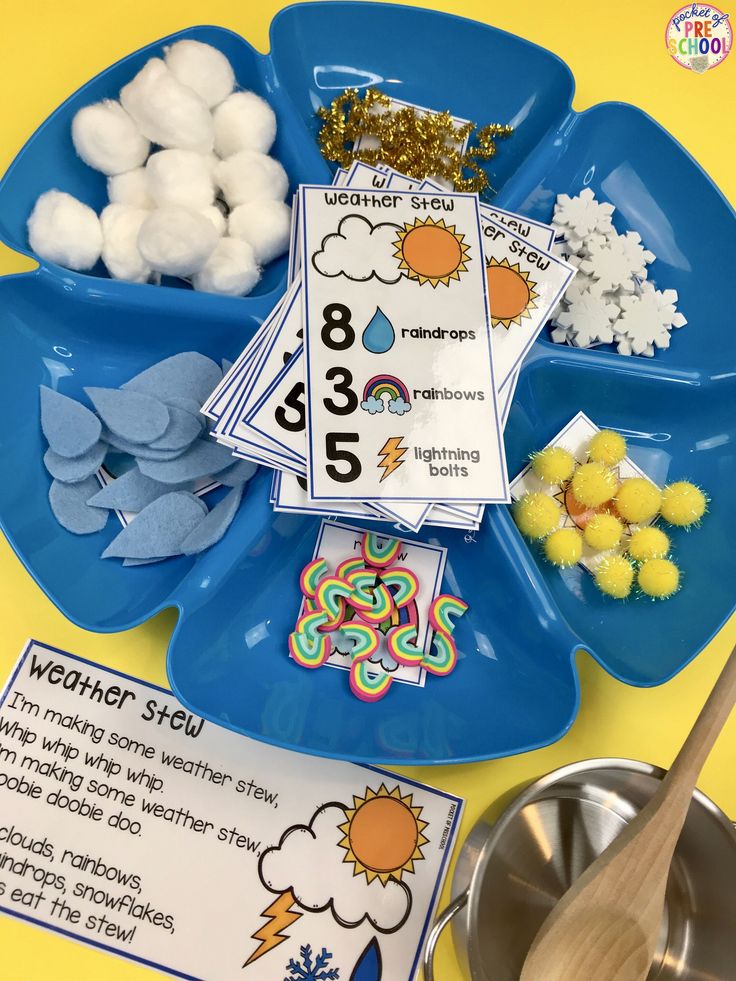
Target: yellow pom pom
(614, 577)
(659, 578)
(564, 547)
(536, 515)
(638, 500)
(683, 503)
(648, 543)
(607, 447)
(553, 465)
(593, 484)
(603, 531)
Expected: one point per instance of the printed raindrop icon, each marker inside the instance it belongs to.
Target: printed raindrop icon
(379, 336)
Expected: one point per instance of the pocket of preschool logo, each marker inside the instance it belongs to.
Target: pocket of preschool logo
(699, 37)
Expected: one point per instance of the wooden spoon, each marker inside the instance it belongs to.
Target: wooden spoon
(606, 925)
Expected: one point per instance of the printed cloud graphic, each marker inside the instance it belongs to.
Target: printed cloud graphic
(309, 864)
(399, 406)
(372, 405)
(360, 251)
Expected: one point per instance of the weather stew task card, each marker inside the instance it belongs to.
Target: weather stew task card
(132, 825)
(400, 385)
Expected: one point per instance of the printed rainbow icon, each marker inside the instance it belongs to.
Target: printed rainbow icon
(389, 386)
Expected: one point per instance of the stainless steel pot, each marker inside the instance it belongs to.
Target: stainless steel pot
(514, 868)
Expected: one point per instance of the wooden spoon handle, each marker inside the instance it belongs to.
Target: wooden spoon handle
(685, 770)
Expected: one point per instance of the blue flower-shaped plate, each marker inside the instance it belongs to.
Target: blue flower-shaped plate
(516, 687)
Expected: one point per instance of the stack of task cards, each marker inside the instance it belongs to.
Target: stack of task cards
(380, 385)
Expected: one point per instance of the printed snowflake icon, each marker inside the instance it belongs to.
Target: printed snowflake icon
(647, 319)
(581, 216)
(305, 970)
(589, 320)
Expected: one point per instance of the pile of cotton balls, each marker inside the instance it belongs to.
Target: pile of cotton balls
(207, 205)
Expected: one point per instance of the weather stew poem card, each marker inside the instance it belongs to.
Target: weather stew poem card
(129, 824)
(400, 385)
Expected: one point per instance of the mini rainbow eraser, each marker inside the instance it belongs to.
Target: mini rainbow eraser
(349, 565)
(380, 555)
(401, 643)
(366, 639)
(381, 609)
(443, 608)
(310, 576)
(406, 583)
(443, 657)
(363, 582)
(307, 646)
(332, 592)
(368, 689)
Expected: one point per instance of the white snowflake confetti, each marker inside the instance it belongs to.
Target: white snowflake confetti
(665, 300)
(610, 300)
(590, 318)
(582, 283)
(611, 265)
(639, 257)
(560, 335)
(578, 217)
(647, 319)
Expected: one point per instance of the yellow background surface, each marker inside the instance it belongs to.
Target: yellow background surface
(616, 51)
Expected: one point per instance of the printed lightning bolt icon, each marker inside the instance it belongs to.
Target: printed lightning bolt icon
(280, 916)
(392, 452)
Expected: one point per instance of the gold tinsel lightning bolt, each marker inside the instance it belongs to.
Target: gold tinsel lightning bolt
(416, 144)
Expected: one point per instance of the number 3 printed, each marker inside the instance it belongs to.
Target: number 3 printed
(341, 388)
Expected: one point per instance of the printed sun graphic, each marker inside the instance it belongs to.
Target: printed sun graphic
(511, 293)
(431, 252)
(383, 834)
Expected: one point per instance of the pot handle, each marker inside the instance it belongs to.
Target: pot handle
(442, 920)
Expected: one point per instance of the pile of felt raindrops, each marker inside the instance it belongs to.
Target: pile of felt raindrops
(143, 451)
(354, 600)
(631, 552)
(193, 192)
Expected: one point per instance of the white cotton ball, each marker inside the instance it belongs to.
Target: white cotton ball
(108, 139)
(63, 230)
(231, 269)
(251, 176)
(265, 225)
(167, 112)
(217, 218)
(244, 121)
(203, 68)
(180, 177)
(130, 188)
(120, 253)
(212, 160)
(177, 241)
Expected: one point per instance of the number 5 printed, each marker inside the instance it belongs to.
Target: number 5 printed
(294, 400)
(334, 453)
